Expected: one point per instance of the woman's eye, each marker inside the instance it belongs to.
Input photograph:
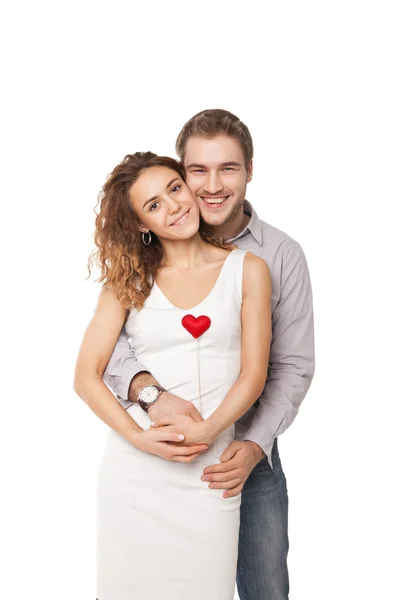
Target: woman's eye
(176, 188)
(154, 206)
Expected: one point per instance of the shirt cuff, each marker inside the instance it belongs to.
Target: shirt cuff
(119, 384)
(265, 444)
(125, 382)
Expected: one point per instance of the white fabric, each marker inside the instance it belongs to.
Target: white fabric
(162, 533)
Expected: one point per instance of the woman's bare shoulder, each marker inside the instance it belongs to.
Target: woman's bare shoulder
(108, 301)
(252, 261)
(255, 271)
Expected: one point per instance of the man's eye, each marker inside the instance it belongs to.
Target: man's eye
(154, 206)
(198, 171)
(228, 169)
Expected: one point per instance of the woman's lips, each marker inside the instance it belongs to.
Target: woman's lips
(181, 219)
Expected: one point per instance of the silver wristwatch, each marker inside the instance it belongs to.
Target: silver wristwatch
(149, 395)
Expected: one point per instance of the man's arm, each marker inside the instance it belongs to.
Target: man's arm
(121, 370)
(125, 375)
(291, 369)
(291, 366)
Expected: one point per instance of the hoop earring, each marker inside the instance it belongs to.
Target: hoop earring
(148, 240)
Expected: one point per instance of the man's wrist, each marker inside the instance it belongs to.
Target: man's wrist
(139, 381)
(153, 408)
(149, 395)
(258, 451)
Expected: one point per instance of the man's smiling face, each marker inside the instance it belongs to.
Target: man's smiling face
(217, 176)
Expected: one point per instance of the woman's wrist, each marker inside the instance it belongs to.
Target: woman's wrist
(210, 429)
(135, 438)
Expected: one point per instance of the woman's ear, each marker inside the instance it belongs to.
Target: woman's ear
(142, 228)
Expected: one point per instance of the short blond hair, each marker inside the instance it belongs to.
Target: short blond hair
(213, 122)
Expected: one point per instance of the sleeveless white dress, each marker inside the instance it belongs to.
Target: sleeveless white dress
(162, 533)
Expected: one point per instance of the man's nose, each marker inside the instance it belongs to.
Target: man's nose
(213, 184)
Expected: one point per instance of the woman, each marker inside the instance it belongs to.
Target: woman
(194, 309)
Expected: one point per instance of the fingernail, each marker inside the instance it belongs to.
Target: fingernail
(181, 436)
(152, 423)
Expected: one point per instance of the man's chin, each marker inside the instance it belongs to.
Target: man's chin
(220, 214)
(214, 220)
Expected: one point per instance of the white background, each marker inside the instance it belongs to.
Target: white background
(317, 83)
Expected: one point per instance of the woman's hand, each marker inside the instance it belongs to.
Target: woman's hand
(167, 445)
(195, 432)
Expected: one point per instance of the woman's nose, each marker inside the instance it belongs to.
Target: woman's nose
(173, 206)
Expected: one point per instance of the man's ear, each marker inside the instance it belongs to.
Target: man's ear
(250, 171)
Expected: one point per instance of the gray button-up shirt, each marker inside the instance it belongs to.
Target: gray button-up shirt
(291, 361)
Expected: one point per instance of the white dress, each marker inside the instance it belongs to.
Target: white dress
(162, 533)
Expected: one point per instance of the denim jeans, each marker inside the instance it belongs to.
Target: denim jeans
(262, 572)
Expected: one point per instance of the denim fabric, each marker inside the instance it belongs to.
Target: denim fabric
(262, 572)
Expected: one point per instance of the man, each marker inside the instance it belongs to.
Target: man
(216, 150)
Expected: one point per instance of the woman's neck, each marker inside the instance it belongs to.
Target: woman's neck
(184, 254)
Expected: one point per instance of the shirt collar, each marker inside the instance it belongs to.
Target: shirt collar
(253, 226)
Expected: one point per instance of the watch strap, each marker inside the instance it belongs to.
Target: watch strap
(146, 405)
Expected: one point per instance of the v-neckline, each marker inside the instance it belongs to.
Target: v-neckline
(204, 299)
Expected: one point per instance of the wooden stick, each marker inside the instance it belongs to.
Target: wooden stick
(198, 372)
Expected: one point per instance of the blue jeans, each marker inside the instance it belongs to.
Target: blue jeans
(262, 572)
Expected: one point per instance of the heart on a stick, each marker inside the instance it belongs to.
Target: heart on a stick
(196, 326)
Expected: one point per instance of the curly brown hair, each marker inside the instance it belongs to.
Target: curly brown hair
(126, 264)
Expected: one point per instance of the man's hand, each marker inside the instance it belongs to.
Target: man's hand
(168, 404)
(237, 462)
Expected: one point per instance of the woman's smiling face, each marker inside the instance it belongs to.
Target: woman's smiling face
(164, 204)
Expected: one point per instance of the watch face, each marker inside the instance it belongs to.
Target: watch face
(149, 394)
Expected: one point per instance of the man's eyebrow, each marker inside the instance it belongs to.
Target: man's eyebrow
(198, 166)
(231, 163)
(166, 187)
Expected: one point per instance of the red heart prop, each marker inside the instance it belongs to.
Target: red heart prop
(196, 326)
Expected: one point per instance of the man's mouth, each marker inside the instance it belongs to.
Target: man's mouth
(181, 219)
(214, 202)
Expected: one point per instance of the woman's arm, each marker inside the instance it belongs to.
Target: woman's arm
(95, 351)
(256, 341)
(96, 348)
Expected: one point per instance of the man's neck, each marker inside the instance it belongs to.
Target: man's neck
(233, 227)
